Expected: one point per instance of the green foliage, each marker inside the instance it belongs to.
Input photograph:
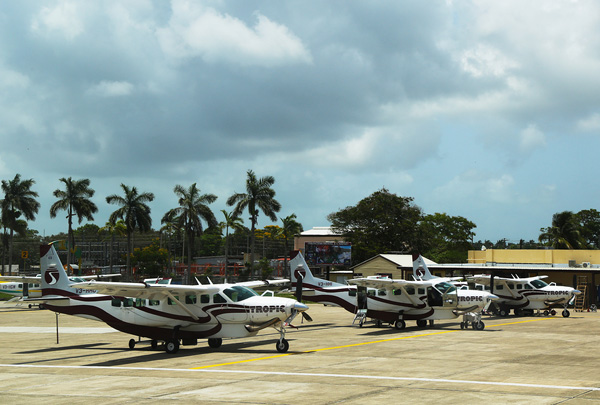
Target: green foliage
(379, 223)
(564, 232)
(448, 238)
(589, 227)
(150, 260)
(265, 269)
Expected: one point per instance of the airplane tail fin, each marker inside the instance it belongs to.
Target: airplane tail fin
(420, 270)
(54, 276)
(299, 269)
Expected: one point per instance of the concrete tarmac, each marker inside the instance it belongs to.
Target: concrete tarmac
(542, 360)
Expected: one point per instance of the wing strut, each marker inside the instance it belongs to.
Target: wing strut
(186, 309)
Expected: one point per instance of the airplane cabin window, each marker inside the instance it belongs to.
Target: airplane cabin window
(190, 299)
(218, 299)
(499, 287)
(352, 293)
(116, 302)
(398, 291)
(140, 302)
(519, 286)
(171, 302)
(381, 293)
(420, 291)
(511, 286)
(128, 302)
(528, 287)
(410, 290)
(205, 299)
(153, 302)
(371, 293)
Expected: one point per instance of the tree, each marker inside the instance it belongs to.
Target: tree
(258, 196)
(449, 238)
(113, 229)
(19, 200)
(564, 232)
(75, 199)
(290, 228)
(589, 226)
(234, 223)
(193, 208)
(135, 212)
(380, 223)
(150, 260)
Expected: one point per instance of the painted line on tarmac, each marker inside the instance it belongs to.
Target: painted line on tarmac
(293, 374)
(355, 345)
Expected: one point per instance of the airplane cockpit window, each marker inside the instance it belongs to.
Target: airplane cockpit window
(528, 286)
(445, 288)
(239, 293)
(538, 283)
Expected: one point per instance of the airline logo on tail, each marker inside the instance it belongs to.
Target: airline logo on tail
(51, 276)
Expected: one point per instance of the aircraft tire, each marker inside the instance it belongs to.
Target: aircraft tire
(172, 346)
(215, 343)
(400, 324)
(132, 344)
(421, 323)
(553, 312)
(565, 313)
(154, 343)
(282, 346)
(479, 325)
(462, 325)
(503, 312)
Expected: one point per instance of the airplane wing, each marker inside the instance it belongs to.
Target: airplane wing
(22, 279)
(380, 283)
(262, 283)
(99, 276)
(147, 291)
(483, 279)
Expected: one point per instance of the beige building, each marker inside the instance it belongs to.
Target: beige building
(391, 265)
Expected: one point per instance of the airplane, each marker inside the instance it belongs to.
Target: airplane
(391, 300)
(30, 286)
(169, 313)
(421, 272)
(524, 295)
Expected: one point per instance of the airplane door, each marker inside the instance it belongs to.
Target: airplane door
(434, 297)
(361, 297)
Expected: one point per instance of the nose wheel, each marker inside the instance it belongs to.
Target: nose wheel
(282, 345)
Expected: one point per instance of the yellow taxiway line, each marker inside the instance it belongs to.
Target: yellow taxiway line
(358, 344)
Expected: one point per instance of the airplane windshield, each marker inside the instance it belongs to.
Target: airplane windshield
(445, 288)
(239, 293)
(538, 283)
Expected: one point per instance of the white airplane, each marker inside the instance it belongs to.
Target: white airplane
(394, 301)
(30, 286)
(421, 272)
(173, 314)
(524, 295)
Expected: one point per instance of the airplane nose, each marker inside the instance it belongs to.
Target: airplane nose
(576, 292)
(493, 297)
(298, 306)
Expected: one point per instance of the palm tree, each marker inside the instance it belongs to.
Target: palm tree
(290, 228)
(75, 199)
(171, 228)
(564, 232)
(18, 200)
(236, 224)
(113, 229)
(136, 214)
(258, 195)
(193, 208)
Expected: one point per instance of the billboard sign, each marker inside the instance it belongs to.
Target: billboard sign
(328, 253)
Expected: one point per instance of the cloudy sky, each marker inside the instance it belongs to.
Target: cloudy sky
(484, 109)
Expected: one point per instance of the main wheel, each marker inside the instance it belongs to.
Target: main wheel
(215, 343)
(400, 324)
(503, 312)
(566, 313)
(478, 325)
(131, 344)
(172, 346)
(282, 345)
(421, 323)
(462, 325)
(552, 312)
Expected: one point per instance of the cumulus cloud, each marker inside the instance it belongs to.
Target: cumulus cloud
(196, 31)
(63, 18)
(531, 138)
(590, 123)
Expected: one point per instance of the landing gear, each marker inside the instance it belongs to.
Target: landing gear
(503, 312)
(154, 344)
(132, 344)
(473, 319)
(172, 346)
(400, 324)
(421, 323)
(282, 345)
(479, 325)
(565, 313)
(215, 343)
